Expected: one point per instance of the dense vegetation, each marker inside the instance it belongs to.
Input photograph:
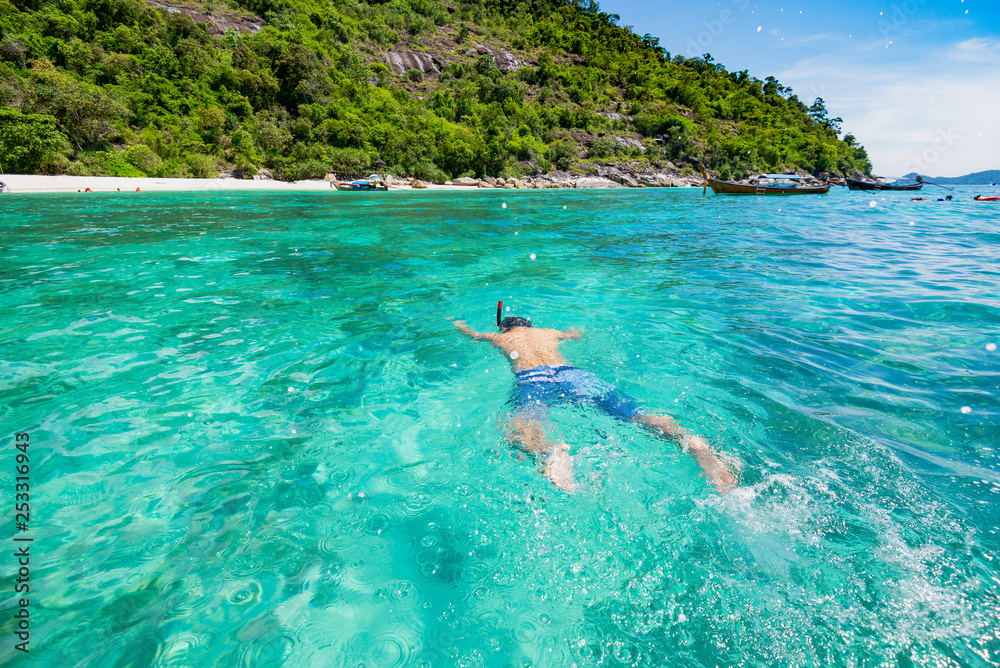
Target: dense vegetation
(121, 88)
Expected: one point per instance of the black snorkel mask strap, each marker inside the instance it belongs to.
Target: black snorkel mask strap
(499, 310)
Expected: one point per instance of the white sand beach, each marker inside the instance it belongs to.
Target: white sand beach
(25, 183)
(30, 183)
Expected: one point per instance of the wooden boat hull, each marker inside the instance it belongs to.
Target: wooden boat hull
(854, 184)
(730, 188)
(340, 185)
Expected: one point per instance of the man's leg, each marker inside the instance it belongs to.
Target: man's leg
(588, 387)
(716, 471)
(556, 461)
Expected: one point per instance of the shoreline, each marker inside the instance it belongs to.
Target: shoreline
(34, 183)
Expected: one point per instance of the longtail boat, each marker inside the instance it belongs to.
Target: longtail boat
(360, 185)
(882, 184)
(765, 184)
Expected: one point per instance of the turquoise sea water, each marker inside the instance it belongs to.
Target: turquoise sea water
(256, 439)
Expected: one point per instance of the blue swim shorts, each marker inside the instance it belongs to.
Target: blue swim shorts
(545, 386)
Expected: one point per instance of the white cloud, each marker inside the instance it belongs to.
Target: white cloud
(913, 112)
(977, 50)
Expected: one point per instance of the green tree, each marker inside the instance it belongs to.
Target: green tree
(31, 143)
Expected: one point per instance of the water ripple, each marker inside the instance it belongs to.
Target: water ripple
(259, 441)
(269, 649)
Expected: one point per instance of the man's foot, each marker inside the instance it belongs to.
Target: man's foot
(722, 480)
(712, 466)
(558, 467)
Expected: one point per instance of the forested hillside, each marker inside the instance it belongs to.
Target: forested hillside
(986, 178)
(427, 88)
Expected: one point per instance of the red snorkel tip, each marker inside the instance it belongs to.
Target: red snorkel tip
(499, 310)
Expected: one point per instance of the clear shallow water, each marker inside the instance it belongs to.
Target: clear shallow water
(258, 441)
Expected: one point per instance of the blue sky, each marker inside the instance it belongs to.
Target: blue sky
(916, 81)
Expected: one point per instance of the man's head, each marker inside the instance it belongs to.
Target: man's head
(512, 322)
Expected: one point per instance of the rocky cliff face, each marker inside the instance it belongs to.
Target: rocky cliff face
(430, 63)
(402, 61)
(505, 60)
(218, 21)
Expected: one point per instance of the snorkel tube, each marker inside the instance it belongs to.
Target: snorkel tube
(499, 310)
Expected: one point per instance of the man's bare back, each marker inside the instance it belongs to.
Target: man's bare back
(525, 347)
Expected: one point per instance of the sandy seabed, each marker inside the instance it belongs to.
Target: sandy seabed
(30, 183)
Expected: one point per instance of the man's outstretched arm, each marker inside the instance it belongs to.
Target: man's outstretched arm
(473, 334)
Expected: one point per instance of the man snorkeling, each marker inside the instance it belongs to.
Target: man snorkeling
(545, 378)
